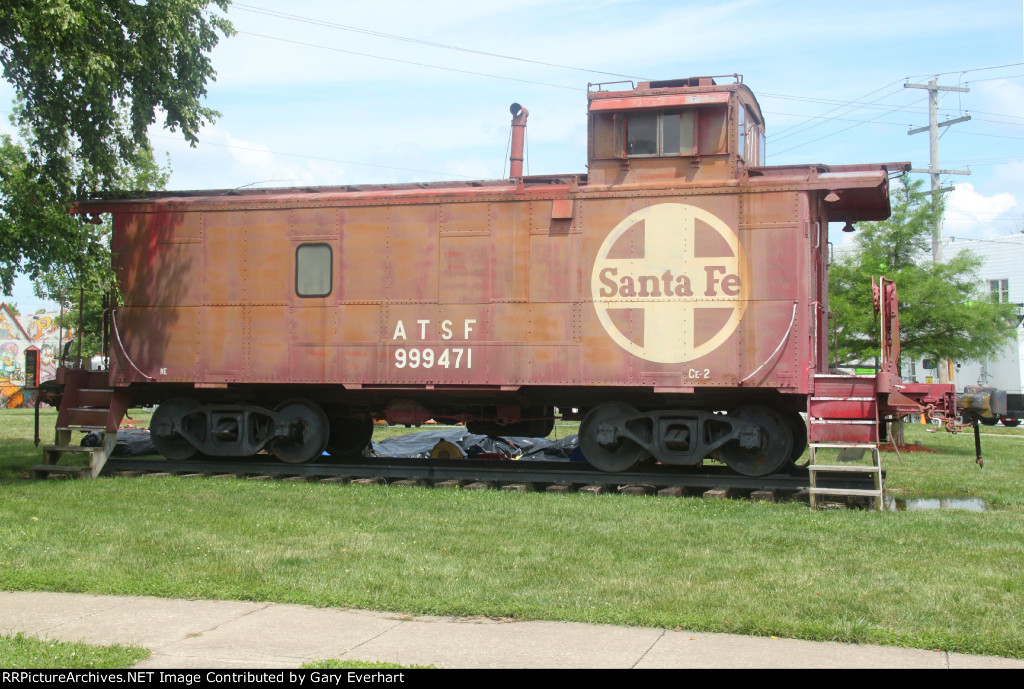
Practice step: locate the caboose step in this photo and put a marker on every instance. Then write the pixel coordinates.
(41, 471)
(89, 403)
(845, 468)
(89, 413)
(863, 408)
(861, 492)
(95, 397)
(874, 469)
(52, 454)
(71, 449)
(861, 432)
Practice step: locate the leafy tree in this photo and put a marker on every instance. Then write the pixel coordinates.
(943, 311)
(86, 288)
(90, 77)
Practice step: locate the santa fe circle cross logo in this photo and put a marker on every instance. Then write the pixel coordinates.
(684, 296)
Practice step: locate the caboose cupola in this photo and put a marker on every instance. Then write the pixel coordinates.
(681, 130)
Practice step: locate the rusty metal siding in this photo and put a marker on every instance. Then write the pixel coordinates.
(777, 246)
(481, 293)
(361, 237)
(412, 255)
(266, 350)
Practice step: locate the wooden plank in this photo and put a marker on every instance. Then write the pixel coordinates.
(845, 468)
(845, 491)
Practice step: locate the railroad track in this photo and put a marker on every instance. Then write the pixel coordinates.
(510, 475)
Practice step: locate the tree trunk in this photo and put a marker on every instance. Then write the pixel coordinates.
(897, 434)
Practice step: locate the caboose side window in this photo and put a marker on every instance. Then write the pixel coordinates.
(671, 132)
(668, 133)
(751, 137)
(642, 134)
(314, 275)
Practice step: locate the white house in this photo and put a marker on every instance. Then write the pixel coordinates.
(1002, 274)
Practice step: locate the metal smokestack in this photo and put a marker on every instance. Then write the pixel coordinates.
(519, 115)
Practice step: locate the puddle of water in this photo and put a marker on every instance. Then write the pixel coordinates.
(953, 503)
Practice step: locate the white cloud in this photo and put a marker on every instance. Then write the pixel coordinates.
(1010, 174)
(1001, 98)
(971, 214)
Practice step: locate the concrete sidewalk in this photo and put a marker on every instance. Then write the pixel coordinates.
(223, 634)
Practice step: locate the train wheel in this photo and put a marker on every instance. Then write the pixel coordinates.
(989, 422)
(799, 429)
(775, 450)
(1011, 423)
(600, 441)
(310, 431)
(169, 414)
(349, 437)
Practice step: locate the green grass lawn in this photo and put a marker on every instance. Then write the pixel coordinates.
(948, 580)
(28, 653)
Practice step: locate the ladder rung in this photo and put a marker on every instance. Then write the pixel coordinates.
(69, 448)
(847, 468)
(60, 468)
(845, 491)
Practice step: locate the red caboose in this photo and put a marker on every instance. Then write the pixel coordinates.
(676, 295)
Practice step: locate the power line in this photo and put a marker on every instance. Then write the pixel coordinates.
(823, 120)
(986, 161)
(856, 104)
(896, 124)
(311, 157)
(395, 37)
(1012, 76)
(985, 217)
(833, 119)
(831, 134)
(1008, 239)
(992, 136)
(965, 71)
(885, 108)
(998, 114)
(1004, 123)
(840, 107)
(832, 101)
(308, 157)
(409, 62)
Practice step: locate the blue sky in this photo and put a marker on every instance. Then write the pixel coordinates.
(322, 92)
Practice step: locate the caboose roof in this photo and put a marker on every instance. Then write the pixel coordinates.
(862, 189)
(692, 91)
(343, 193)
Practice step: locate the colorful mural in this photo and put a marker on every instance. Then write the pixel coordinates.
(29, 349)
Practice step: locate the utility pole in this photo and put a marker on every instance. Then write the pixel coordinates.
(933, 88)
(933, 160)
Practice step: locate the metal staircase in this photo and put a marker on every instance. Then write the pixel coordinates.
(842, 416)
(88, 403)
